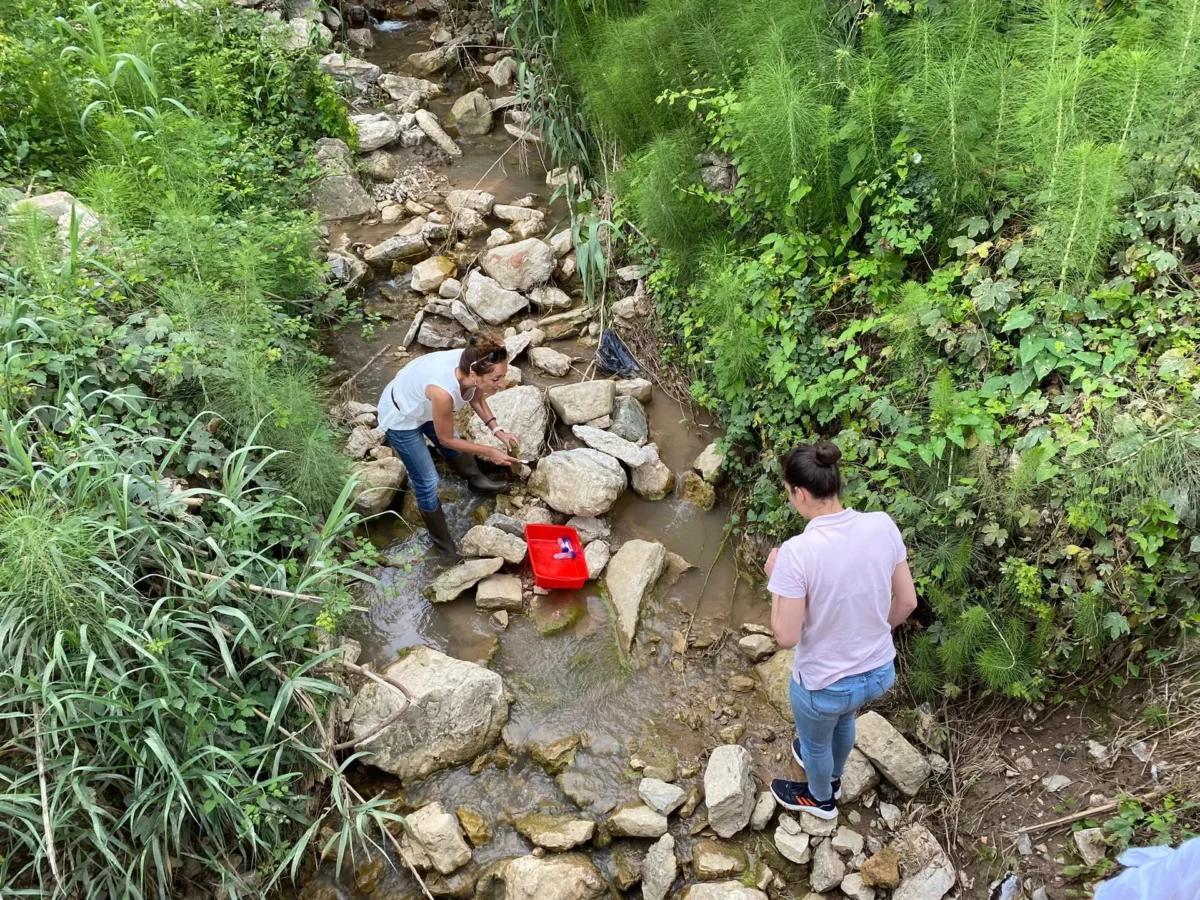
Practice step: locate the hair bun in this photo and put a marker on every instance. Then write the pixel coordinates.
(474, 339)
(827, 454)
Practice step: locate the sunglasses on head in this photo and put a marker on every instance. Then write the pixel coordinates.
(500, 354)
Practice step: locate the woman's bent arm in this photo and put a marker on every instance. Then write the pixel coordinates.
(904, 595)
(787, 619)
(443, 425)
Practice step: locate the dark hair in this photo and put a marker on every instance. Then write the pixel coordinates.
(814, 467)
(482, 355)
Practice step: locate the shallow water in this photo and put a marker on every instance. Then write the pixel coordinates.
(561, 661)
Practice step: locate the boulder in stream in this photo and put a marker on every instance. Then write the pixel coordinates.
(484, 540)
(659, 869)
(400, 247)
(564, 876)
(721, 890)
(471, 114)
(729, 789)
(481, 202)
(607, 442)
(456, 713)
(520, 266)
(429, 124)
(709, 463)
(343, 67)
(550, 361)
(491, 302)
(337, 194)
(636, 820)
(652, 479)
(500, 592)
(375, 131)
(378, 481)
(465, 575)
(661, 796)
(589, 528)
(433, 60)
(550, 299)
(433, 840)
(629, 421)
(401, 87)
(581, 482)
(555, 832)
(521, 410)
(441, 335)
(631, 574)
(712, 860)
(694, 489)
(579, 403)
(638, 388)
(429, 274)
(596, 554)
(347, 269)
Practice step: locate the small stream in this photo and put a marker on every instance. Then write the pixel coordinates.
(560, 661)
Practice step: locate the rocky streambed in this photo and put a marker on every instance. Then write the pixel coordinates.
(572, 744)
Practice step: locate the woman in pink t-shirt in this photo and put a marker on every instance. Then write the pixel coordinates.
(838, 589)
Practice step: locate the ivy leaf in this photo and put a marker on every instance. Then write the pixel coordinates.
(1020, 317)
(1116, 624)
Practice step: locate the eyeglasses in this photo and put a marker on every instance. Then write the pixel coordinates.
(500, 354)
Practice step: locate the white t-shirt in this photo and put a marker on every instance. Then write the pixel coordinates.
(842, 564)
(403, 405)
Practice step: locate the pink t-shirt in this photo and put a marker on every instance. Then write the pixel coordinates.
(842, 564)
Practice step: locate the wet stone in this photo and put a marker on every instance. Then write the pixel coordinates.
(660, 796)
(556, 833)
(636, 820)
(500, 592)
(474, 825)
(764, 810)
(713, 861)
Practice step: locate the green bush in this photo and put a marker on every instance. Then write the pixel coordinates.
(961, 244)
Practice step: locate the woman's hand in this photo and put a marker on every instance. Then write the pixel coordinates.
(499, 457)
(769, 567)
(507, 438)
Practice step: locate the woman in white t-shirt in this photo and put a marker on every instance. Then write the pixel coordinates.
(417, 409)
(838, 589)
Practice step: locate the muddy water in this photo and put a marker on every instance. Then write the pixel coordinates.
(561, 661)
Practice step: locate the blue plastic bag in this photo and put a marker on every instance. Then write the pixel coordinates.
(1156, 873)
(614, 357)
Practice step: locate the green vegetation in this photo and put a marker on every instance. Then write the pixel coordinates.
(163, 722)
(962, 245)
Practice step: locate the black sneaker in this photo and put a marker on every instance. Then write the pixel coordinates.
(794, 795)
(837, 782)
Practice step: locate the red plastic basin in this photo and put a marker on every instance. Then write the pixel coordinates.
(548, 572)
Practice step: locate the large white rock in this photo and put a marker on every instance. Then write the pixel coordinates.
(709, 463)
(661, 796)
(565, 876)
(635, 820)
(375, 131)
(434, 840)
(728, 788)
(378, 481)
(456, 712)
(398, 247)
(550, 298)
(582, 402)
(401, 87)
(659, 869)
(556, 833)
(429, 124)
(652, 480)
(550, 361)
(792, 842)
(928, 873)
(638, 388)
(467, 574)
(471, 114)
(487, 541)
(828, 870)
(520, 266)
(521, 410)
(899, 761)
(606, 442)
(429, 274)
(480, 201)
(596, 554)
(500, 592)
(631, 574)
(360, 73)
(721, 890)
(858, 777)
(580, 482)
(491, 302)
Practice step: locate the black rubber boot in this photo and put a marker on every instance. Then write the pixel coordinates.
(439, 531)
(467, 466)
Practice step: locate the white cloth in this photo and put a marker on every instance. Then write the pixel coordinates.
(1156, 873)
(843, 564)
(403, 405)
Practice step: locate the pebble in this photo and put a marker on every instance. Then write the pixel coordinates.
(1024, 845)
(500, 618)
(1055, 783)
(890, 815)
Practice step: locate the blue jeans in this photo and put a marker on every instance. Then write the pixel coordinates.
(825, 722)
(410, 447)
